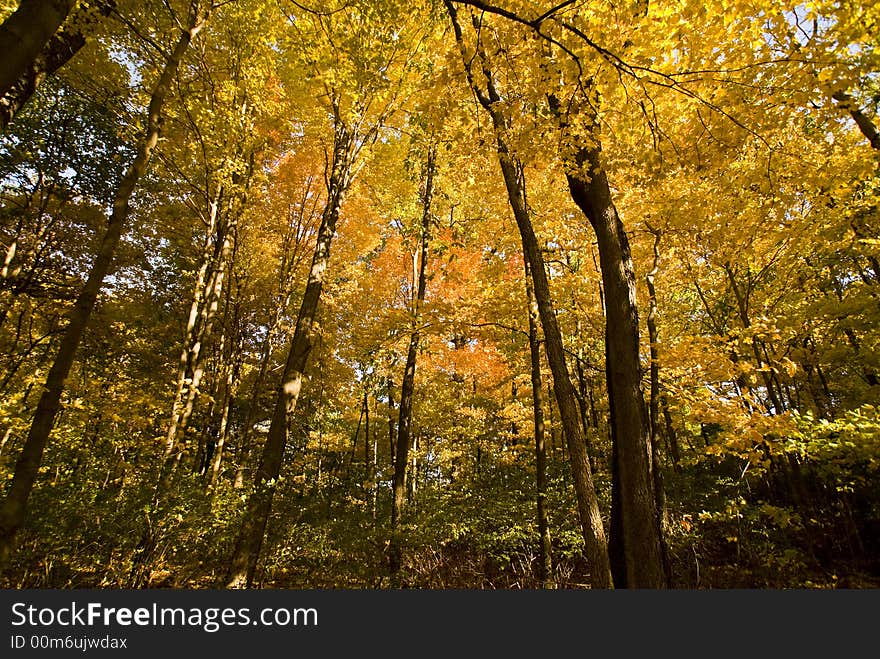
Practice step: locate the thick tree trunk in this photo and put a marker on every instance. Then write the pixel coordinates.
(59, 50)
(25, 33)
(635, 509)
(12, 513)
(404, 422)
(866, 126)
(545, 547)
(243, 563)
(595, 544)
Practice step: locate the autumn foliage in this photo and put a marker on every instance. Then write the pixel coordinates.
(739, 146)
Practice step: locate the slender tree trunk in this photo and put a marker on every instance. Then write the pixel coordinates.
(581, 394)
(391, 434)
(554, 444)
(596, 547)
(545, 547)
(374, 470)
(654, 407)
(12, 513)
(231, 374)
(369, 473)
(192, 336)
(25, 33)
(6, 434)
(215, 462)
(413, 476)
(404, 421)
(243, 563)
(243, 452)
(206, 301)
(818, 390)
(566, 402)
(636, 510)
(671, 435)
(653, 338)
(354, 442)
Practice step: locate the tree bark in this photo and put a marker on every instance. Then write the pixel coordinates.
(634, 512)
(292, 251)
(230, 370)
(596, 548)
(12, 513)
(25, 33)
(207, 292)
(243, 563)
(581, 394)
(654, 406)
(392, 451)
(866, 126)
(653, 338)
(545, 547)
(404, 422)
(59, 50)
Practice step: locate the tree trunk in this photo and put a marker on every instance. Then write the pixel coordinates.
(391, 434)
(59, 50)
(25, 33)
(866, 126)
(374, 467)
(243, 563)
(369, 460)
(596, 547)
(545, 547)
(671, 436)
(12, 513)
(581, 394)
(636, 510)
(554, 444)
(654, 407)
(231, 373)
(653, 338)
(404, 421)
(203, 308)
(566, 402)
(292, 250)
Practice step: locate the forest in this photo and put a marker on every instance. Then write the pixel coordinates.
(440, 294)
